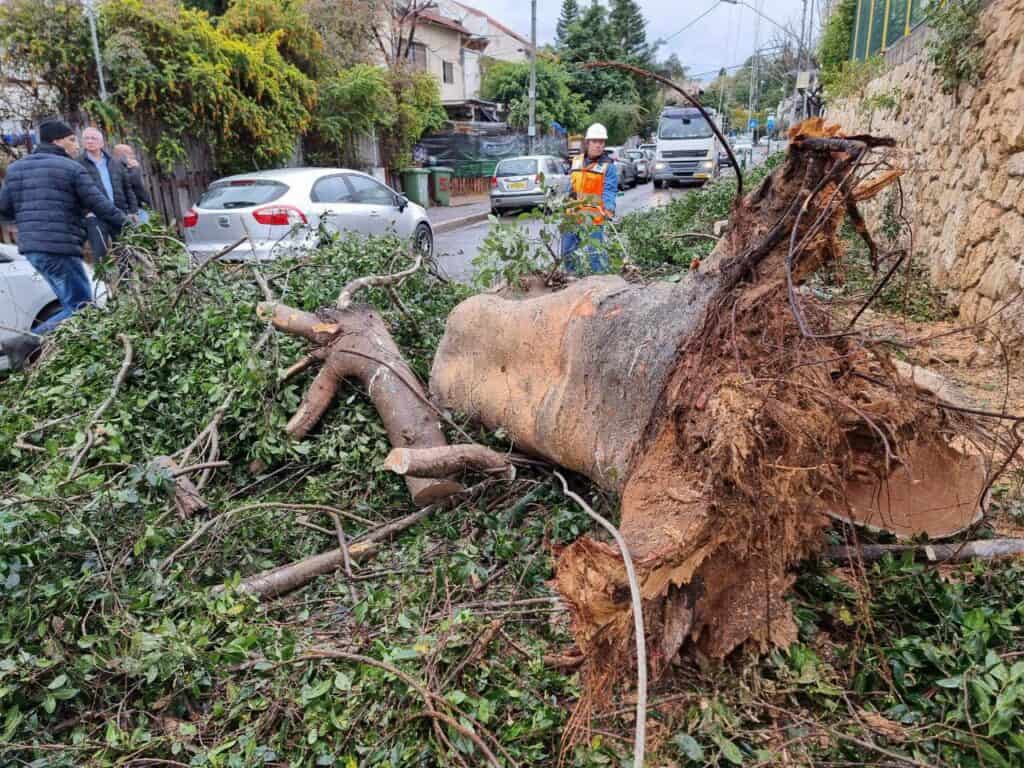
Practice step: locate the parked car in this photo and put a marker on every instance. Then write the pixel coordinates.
(644, 170)
(627, 169)
(25, 301)
(284, 209)
(523, 182)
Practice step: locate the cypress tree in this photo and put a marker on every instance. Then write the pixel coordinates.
(570, 15)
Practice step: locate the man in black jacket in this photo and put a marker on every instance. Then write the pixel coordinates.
(109, 175)
(48, 194)
(133, 170)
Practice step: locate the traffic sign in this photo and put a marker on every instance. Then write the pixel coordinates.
(752, 124)
(770, 123)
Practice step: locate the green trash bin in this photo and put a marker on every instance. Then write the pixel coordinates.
(441, 185)
(414, 185)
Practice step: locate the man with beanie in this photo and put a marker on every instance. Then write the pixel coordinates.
(48, 195)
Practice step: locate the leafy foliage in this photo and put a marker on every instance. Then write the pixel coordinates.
(622, 119)
(419, 110)
(569, 15)
(297, 40)
(837, 37)
(51, 37)
(176, 75)
(956, 50)
(352, 103)
(508, 83)
(852, 77)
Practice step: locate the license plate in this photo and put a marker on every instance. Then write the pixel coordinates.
(517, 185)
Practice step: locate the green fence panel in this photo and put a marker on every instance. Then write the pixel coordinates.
(877, 26)
(863, 29)
(897, 21)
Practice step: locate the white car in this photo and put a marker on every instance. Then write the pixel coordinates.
(283, 210)
(25, 301)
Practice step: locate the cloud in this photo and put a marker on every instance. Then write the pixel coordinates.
(722, 38)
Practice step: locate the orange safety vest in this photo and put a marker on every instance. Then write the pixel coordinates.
(588, 187)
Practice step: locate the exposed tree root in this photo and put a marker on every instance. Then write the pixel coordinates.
(727, 413)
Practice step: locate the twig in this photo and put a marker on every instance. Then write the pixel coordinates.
(343, 546)
(985, 549)
(191, 276)
(348, 293)
(21, 442)
(200, 467)
(638, 625)
(90, 436)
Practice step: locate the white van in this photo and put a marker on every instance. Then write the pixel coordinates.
(687, 149)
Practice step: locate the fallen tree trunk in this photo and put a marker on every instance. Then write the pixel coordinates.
(725, 411)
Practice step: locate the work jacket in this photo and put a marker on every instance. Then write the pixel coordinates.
(595, 185)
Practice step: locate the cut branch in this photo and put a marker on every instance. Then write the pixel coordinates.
(984, 549)
(90, 431)
(349, 292)
(187, 500)
(287, 578)
(355, 344)
(445, 461)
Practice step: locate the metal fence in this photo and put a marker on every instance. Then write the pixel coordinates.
(881, 23)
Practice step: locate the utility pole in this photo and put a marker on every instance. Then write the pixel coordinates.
(753, 70)
(799, 64)
(533, 76)
(90, 12)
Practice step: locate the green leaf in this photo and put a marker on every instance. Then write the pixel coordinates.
(57, 682)
(729, 750)
(689, 747)
(309, 694)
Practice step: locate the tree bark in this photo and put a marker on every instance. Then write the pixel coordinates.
(187, 499)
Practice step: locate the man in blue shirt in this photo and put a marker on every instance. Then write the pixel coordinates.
(109, 175)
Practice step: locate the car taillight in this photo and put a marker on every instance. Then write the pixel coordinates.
(190, 219)
(494, 181)
(279, 216)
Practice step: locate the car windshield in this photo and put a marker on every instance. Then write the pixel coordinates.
(241, 193)
(684, 128)
(523, 166)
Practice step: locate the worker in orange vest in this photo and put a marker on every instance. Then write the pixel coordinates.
(595, 184)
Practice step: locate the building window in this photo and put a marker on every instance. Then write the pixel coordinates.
(418, 56)
(449, 72)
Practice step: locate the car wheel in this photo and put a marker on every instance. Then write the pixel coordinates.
(423, 240)
(658, 184)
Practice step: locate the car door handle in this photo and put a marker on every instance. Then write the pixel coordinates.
(375, 214)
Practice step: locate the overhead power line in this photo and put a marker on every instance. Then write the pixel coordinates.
(691, 23)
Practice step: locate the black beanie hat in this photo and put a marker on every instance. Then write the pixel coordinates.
(53, 130)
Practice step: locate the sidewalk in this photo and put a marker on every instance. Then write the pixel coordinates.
(462, 212)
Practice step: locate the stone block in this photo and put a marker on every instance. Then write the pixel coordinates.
(1000, 280)
(1015, 164)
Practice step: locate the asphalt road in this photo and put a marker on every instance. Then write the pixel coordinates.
(456, 249)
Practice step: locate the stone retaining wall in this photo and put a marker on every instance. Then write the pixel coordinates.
(965, 155)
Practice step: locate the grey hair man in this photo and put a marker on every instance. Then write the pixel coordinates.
(109, 175)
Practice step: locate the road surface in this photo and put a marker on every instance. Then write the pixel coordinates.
(457, 249)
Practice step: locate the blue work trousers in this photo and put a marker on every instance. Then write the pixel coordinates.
(595, 251)
(69, 281)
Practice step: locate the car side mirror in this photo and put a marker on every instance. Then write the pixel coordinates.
(401, 202)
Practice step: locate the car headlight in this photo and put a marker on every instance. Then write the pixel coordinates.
(708, 164)
(659, 166)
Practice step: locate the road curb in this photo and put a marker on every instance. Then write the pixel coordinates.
(463, 221)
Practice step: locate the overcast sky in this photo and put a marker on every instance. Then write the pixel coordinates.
(722, 38)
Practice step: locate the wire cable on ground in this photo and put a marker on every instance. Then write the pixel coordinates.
(638, 625)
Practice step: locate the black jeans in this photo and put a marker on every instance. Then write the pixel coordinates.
(100, 237)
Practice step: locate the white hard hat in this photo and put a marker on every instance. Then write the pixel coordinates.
(597, 132)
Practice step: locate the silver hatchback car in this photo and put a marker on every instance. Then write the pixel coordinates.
(284, 210)
(523, 182)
